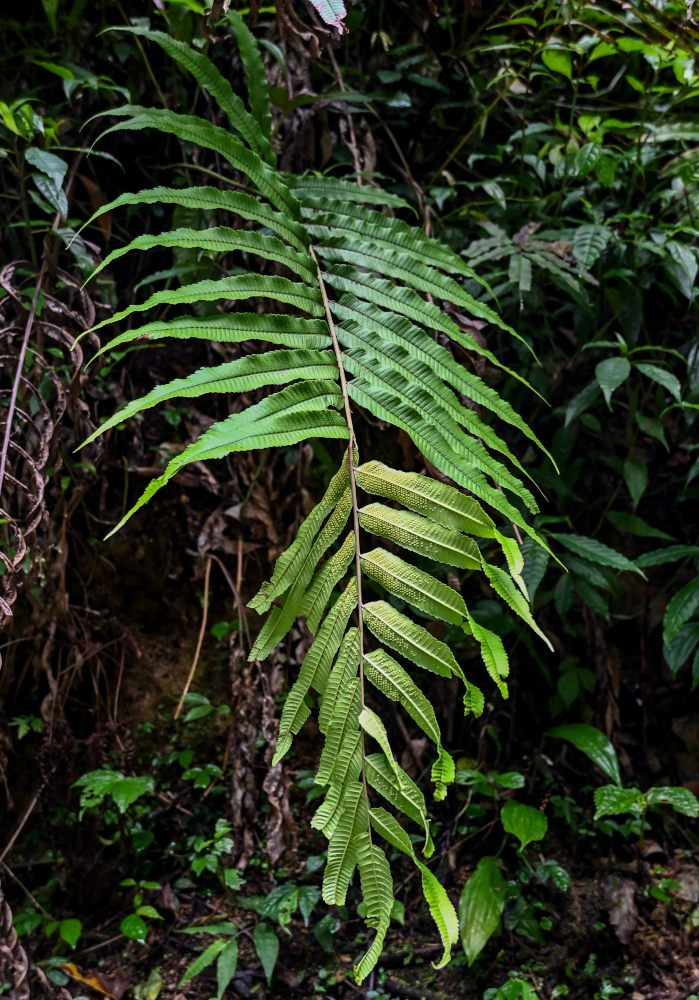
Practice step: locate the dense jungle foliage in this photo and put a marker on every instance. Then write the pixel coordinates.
(397, 304)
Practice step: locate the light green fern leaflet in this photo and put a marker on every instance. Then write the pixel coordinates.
(324, 306)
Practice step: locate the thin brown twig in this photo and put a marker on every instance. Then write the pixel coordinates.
(200, 640)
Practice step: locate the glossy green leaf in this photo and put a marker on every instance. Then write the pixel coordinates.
(593, 744)
(524, 822)
(480, 907)
(267, 948)
(613, 801)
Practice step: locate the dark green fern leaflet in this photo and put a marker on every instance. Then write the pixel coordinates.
(337, 301)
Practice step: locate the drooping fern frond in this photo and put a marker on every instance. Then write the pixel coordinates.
(354, 308)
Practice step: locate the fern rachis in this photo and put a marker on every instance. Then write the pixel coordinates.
(361, 284)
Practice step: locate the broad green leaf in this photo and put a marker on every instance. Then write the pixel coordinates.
(593, 744)
(672, 553)
(680, 609)
(480, 907)
(524, 822)
(681, 799)
(267, 948)
(127, 790)
(558, 61)
(134, 928)
(611, 374)
(635, 526)
(613, 801)
(597, 552)
(48, 163)
(663, 377)
(636, 478)
(70, 931)
(226, 967)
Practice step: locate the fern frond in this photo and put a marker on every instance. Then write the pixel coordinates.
(342, 730)
(240, 286)
(221, 240)
(315, 189)
(438, 501)
(278, 624)
(289, 563)
(387, 675)
(208, 77)
(230, 328)
(323, 584)
(440, 906)
(419, 534)
(210, 199)
(315, 668)
(411, 640)
(294, 414)
(412, 390)
(404, 795)
(342, 849)
(346, 219)
(386, 406)
(344, 670)
(389, 326)
(389, 278)
(367, 348)
(504, 588)
(408, 269)
(377, 892)
(413, 585)
(258, 89)
(493, 653)
(347, 769)
(241, 375)
(406, 302)
(189, 128)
